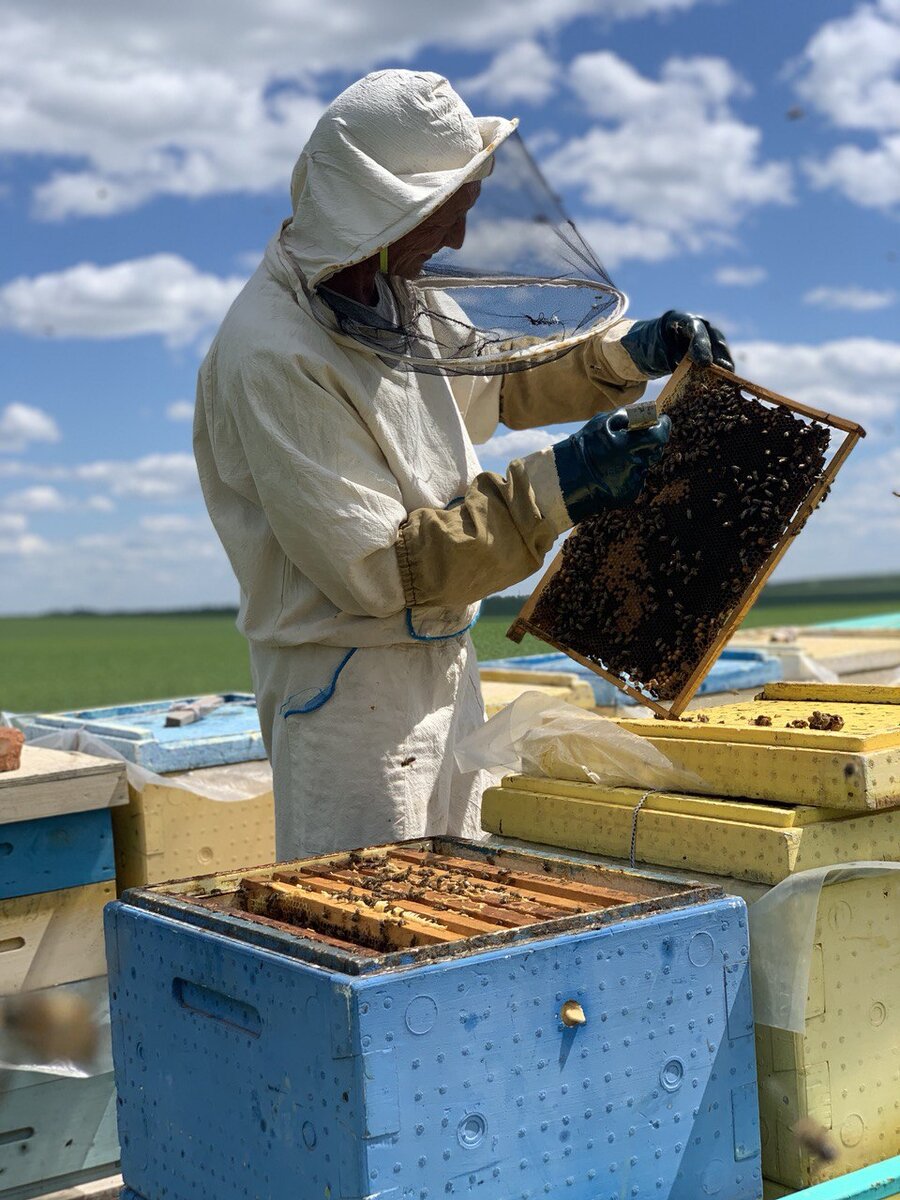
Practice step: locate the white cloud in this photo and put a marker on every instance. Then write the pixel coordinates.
(40, 498)
(852, 299)
(139, 102)
(850, 68)
(668, 155)
(161, 294)
(850, 73)
(21, 424)
(180, 410)
(24, 545)
(867, 498)
(172, 523)
(132, 568)
(504, 447)
(100, 504)
(153, 477)
(870, 178)
(13, 522)
(615, 242)
(249, 260)
(740, 276)
(523, 71)
(855, 378)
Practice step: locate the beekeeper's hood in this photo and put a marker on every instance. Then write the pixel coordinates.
(384, 156)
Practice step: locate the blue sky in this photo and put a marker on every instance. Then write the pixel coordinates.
(733, 158)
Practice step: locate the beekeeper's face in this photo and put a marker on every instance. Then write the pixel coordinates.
(445, 227)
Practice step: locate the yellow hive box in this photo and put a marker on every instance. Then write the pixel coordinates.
(167, 832)
(762, 843)
(856, 767)
(52, 937)
(501, 685)
(843, 1071)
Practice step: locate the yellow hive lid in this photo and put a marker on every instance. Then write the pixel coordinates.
(870, 715)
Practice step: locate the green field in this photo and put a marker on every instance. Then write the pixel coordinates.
(59, 662)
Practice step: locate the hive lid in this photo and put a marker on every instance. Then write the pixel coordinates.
(227, 734)
(410, 903)
(736, 669)
(869, 716)
(52, 782)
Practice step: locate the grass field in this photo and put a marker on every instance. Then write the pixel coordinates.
(59, 662)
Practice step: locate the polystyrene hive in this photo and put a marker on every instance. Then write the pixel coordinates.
(841, 1074)
(56, 866)
(844, 1072)
(227, 734)
(255, 1058)
(761, 842)
(856, 767)
(170, 832)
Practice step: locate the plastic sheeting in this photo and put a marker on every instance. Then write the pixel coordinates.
(539, 735)
(782, 934)
(19, 1055)
(238, 781)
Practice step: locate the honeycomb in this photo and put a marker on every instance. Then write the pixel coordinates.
(644, 591)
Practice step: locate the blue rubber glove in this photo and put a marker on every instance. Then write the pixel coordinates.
(657, 347)
(605, 463)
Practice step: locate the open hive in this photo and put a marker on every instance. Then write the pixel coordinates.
(495, 1028)
(362, 910)
(648, 595)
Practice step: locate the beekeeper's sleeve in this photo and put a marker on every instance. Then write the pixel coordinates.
(596, 376)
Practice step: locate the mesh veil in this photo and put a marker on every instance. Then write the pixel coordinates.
(524, 287)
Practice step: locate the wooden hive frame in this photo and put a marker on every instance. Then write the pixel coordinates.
(423, 899)
(671, 392)
(570, 897)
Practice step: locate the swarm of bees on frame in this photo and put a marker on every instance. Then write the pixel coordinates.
(644, 591)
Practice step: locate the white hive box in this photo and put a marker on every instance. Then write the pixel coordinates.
(168, 832)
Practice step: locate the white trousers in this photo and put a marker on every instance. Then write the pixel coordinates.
(375, 763)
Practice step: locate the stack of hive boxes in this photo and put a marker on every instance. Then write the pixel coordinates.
(56, 874)
(779, 797)
(169, 831)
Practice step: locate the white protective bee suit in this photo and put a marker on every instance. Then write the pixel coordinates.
(349, 497)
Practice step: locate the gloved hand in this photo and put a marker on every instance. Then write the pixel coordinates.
(657, 347)
(605, 463)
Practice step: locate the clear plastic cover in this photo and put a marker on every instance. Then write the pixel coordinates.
(540, 735)
(782, 933)
(523, 288)
(234, 782)
(61, 1030)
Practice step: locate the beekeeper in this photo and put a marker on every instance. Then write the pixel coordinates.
(336, 414)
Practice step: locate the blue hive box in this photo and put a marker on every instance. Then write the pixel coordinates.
(257, 1060)
(56, 852)
(228, 734)
(733, 670)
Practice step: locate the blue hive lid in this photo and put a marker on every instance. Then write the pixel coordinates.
(228, 734)
(733, 670)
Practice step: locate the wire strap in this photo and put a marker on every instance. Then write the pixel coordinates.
(634, 823)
